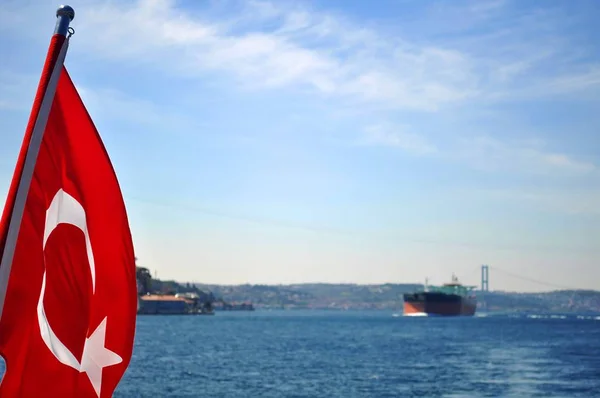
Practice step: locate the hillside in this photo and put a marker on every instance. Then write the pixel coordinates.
(321, 296)
(388, 296)
(556, 301)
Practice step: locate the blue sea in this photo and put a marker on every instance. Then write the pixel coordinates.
(364, 354)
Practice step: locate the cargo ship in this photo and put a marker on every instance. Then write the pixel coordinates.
(450, 299)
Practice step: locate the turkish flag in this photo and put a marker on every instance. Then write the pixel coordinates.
(68, 320)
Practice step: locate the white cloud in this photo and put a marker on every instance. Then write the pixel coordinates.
(485, 9)
(16, 90)
(269, 44)
(307, 49)
(567, 201)
(580, 84)
(527, 157)
(358, 65)
(397, 137)
(107, 103)
(574, 82)
(481, 152)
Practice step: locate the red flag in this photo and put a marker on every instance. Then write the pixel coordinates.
(68, 319)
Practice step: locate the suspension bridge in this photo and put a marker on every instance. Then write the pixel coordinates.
(484, 287)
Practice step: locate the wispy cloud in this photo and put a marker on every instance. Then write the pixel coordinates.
(588, 78)
(397, 137)
(303, 49)
(274, 46)
(480, 152)
(111, 104)
(529, 157)
(583, 83)
(566, 201)
(335, 56)
(16, 90)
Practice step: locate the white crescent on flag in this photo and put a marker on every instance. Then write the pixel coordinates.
(64, 209)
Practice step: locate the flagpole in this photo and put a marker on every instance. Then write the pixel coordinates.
(19, 188)
(64, 16)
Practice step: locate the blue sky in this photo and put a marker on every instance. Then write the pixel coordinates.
(337, 141)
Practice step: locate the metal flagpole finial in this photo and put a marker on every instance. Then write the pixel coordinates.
(65, 15)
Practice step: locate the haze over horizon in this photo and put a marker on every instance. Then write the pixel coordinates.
(336, 141)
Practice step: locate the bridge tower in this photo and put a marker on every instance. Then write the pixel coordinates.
(485, 286)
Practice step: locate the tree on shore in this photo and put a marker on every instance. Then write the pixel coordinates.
(144, 278)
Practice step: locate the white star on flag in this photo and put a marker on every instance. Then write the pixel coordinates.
(96, 356)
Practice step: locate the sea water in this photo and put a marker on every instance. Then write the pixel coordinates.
(364, 354)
